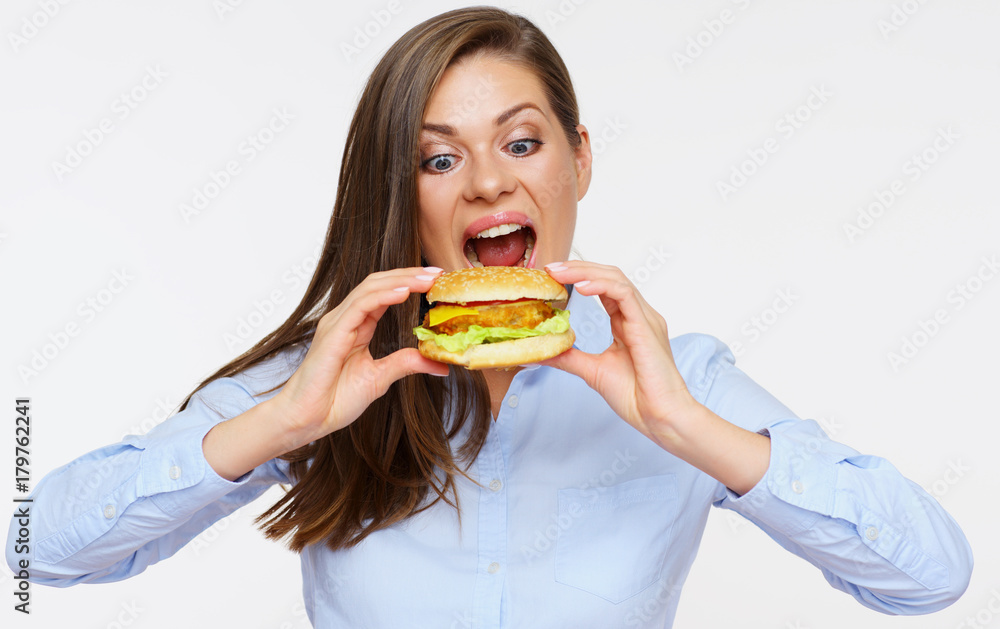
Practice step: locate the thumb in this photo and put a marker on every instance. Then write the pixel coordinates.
(576, 362)
(405, 362)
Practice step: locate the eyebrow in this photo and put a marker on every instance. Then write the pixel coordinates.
(446, 129)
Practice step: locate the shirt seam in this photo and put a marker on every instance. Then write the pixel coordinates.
(83, 515)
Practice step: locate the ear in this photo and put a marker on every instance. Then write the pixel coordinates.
(584, 160)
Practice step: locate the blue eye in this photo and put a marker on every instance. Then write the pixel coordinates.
(439, 163)
(520, 148)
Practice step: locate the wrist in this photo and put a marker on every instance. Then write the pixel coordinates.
(732, 455)
(238, 445)
(286, 418)
(669, 426)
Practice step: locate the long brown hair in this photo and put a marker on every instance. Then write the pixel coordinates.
(379, 470)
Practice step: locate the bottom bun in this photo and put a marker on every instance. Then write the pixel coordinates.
(502, 353)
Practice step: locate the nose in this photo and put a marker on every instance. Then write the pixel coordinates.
(488, 178)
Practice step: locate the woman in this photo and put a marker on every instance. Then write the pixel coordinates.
(568, 494)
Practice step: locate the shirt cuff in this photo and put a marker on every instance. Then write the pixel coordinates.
(800, 484)
(176, 476)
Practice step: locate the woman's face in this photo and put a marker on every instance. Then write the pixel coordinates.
(498, 181)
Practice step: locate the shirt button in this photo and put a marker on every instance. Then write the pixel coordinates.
(871, 533)
(493, 568)
(174, 472)
(512, 401)
(109, 511)
(495, 485)
(798, 487)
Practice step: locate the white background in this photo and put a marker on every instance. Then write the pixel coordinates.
(671, 132)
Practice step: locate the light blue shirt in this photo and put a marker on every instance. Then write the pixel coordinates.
(578, 521)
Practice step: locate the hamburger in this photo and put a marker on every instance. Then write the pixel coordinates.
(494, 316)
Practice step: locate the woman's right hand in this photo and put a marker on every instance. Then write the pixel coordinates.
(338, 377)
(335, 383)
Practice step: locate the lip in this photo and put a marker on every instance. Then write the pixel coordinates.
(500, 218)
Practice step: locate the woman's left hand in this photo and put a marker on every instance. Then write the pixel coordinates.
(636, 375)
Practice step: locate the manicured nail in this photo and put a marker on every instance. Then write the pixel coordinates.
(583, 283)
(433, 269)
(439, 375)
(426, 278)
(555, 266)
(400, 289)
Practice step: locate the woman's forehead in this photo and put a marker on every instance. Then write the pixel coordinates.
(478, 90)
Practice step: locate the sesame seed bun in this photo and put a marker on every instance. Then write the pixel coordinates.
(495, 283)
(499, 283)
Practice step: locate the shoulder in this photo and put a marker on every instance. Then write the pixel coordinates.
(700, 358)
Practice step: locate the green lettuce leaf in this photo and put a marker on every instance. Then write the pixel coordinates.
(477, 334)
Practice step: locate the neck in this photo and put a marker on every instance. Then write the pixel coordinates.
(498, 381)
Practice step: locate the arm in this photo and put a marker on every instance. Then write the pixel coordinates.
(113, 512)
(116, 511)
(873, 533)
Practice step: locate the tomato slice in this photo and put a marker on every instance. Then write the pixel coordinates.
(474, 304)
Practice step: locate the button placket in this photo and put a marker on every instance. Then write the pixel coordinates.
(492, 533)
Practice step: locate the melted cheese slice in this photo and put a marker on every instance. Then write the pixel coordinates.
(441, 314)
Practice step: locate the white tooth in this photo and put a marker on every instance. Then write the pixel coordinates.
(530, 239)
(478, 264)
(472, 256)
(499, 230)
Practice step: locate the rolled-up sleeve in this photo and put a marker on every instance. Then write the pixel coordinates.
(872, 532)
(113, 512)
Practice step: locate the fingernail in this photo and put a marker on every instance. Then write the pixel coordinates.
(433, 269)
(583, 283)
(426, 278)
(400, 289)
(439, 375)
(555, 266)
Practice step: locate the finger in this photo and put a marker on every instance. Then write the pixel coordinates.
(621, 299)
(375, 294)
(578, 363)
(589, 278)
(616, 295)
(405, 362)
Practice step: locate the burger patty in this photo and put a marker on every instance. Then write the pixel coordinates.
(519, 314)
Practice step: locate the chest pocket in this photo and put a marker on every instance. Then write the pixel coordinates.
(618, 536)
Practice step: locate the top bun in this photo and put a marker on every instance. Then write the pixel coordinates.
(495, 283)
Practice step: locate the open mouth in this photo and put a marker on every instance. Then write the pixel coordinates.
(509, 244)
